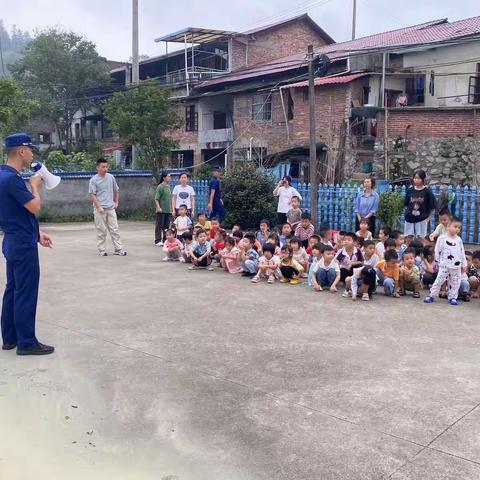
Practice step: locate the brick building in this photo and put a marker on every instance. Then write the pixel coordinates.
(412, 87)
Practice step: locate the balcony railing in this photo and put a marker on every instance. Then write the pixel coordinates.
(195, 75)
(215, 136)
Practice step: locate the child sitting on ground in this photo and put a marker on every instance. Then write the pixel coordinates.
(326, 272)
(295, 212)
(389, 270)
(474, 274)
(299, 253)
(187, 239)
(339, 241)
(370, 258)
(182, 222)
(400, 245)
(249, 256)
(313, 240)
(215, 227)
(290, 269)
(263, 233)
(230, 257)
(172, 246)
(349, 256)
(203, 223)
(325, 235)
(409, 274)
(304, 229)
(465, 285)
(312, 261)
(450, 255)
(429, 267)
(383, 235)
(200, 252)
(268, 265)
(218, 244)
(363, 283)
(273, 239)
(238, 237)
(364, 231)
(286, 234)
(443, 218)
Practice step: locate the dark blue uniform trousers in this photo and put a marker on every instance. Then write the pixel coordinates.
(19, 306)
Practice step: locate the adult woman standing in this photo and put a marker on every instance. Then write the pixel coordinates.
(284, 191)
(366, 204)
(184, 194)
(163, 208)
(419, 206)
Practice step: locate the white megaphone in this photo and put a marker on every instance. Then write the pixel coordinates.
(49, 179)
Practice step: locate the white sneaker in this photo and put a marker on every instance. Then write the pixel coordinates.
(166, 259)
(159, 244)
(103, 253)
(182, 260)
(121, 253)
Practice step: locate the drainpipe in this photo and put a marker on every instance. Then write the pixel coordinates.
(250, 149)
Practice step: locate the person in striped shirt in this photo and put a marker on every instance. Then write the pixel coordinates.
(305, 229)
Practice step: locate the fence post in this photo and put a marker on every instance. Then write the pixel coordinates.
(319, 215)
(320, 203)
(458, 196)
(473, 210)
(402, 215)
(433, 220)
(330, 206)
(464, 213)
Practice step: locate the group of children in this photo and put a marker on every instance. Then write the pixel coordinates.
(292, 253)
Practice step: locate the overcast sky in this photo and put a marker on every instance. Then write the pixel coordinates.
(108, 22)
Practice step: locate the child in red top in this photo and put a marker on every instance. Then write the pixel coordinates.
(172, 246)
(215, 227)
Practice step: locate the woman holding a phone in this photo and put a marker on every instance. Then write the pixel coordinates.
(284, 191)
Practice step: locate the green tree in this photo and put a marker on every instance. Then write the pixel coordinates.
(144, 115)
(15, 107)
(62, 71)
(247, 194)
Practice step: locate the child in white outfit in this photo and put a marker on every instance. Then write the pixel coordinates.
(450, 255)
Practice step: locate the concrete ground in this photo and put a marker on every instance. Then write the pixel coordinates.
(168, 374)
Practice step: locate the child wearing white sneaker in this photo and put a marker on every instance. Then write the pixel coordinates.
(268, 265)
(172, 246)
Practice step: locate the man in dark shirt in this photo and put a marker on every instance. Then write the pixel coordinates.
(215, 202)
(18, 207)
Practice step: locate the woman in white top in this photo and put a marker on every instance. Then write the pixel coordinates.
(284, 191)
(183, 194)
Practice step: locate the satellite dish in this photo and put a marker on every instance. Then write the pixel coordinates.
(322, 64)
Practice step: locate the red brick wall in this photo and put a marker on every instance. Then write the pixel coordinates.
(428, 123)
(180, 135)
(276, 43)
(329, 115)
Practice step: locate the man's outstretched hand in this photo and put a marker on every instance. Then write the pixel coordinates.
(45, 240)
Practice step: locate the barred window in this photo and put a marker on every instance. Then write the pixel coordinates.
(262, 107)
(191, 119)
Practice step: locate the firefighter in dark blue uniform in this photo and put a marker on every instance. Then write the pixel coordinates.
(18, 207)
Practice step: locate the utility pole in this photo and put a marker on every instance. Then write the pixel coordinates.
(313, 141)
(135, 65)
(354, 19)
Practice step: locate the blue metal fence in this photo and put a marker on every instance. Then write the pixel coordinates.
(336, 202)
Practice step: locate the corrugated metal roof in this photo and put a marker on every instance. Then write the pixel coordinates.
(329, 80)
(436, 31)
(199, 35)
